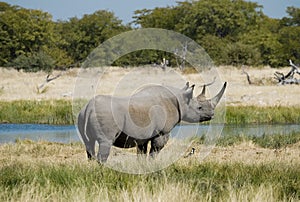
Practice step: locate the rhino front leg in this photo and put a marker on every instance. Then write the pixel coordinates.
(157, 143)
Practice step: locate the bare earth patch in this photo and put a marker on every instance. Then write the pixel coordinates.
(16, 85)
(249, 153)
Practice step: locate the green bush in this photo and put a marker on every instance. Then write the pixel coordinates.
(241, 54)
(33, 62)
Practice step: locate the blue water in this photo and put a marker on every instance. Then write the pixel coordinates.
(66, 134)
(52, 133)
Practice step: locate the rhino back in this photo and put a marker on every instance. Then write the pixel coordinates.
(139, 116)
(160, 105)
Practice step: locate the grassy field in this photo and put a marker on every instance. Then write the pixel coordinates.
(236, 170)
(60, 112)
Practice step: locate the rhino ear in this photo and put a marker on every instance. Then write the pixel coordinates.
(189, 92)
(186, 86)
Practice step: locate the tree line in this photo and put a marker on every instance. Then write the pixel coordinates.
(232, 32)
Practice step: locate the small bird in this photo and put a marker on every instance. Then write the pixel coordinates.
(191, 153)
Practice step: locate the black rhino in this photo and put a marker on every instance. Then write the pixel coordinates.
(147, 115)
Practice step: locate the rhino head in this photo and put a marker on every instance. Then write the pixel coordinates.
(199, 109)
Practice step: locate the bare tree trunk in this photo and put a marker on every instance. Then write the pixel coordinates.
(247, 75)
(181, 57)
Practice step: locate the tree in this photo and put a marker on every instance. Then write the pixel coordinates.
(289, 38)
(27, 32)
(215, 47)
(215, 24)
(166, 18)
(197, 18)
(265, 39)
(289, 34)
(83, 35)
(294, 19)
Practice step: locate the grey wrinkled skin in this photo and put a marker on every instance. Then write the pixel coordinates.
(148, 115)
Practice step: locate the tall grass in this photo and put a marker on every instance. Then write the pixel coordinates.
(55, 172)
(254, 114)
(43, 112)
(60, 112)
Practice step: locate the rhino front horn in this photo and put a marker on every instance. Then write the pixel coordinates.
(215, 100)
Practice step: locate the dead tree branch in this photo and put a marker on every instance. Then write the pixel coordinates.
(289, 77)
(295, 68)
(48, 80)
(208, 84)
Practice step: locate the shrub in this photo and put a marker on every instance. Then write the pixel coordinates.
(241, 54)
(33, 62)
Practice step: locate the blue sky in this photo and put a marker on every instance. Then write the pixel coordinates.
(123, 9)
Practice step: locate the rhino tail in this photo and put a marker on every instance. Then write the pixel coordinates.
(82, 122)
(84, 116)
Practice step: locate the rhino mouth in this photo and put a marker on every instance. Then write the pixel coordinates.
(206, 119)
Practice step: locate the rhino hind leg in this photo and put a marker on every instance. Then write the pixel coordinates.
(154, 150)
(89, 155)
(103, 152)
(142, 148)
(90, 150)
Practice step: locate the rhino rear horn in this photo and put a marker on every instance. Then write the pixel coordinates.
(201, 96)
(215, 100)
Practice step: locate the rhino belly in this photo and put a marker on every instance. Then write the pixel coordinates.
(125, 141)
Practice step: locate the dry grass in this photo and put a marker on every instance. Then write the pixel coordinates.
(35, 153)
(245, 152)
(249, 153)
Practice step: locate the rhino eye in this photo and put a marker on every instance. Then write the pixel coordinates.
(199, 108)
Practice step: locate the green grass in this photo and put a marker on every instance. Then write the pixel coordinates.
(254, 114)
(43, 112)
(196, 182)
(275, 141)
(60, 112)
